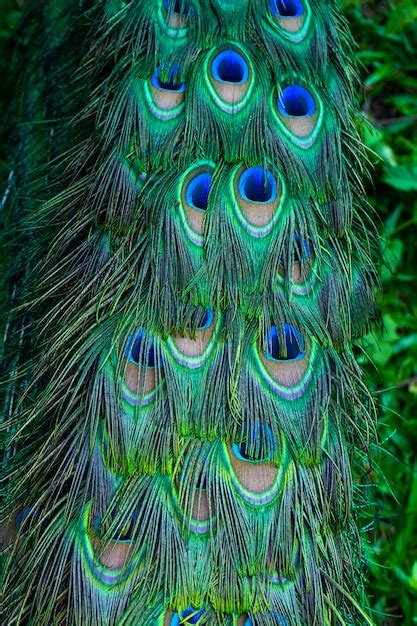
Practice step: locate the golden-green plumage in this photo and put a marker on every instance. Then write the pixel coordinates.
(188, 409)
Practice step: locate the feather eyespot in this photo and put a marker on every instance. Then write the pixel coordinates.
(300, 263)
(127, 532)
(287, 8)
(141, 352)
(257, 185)
(302, 249)
(202, 480)
(171, 84)
(175, 6)
(177, 13)
(114, 552)
(285, 358)
(255, 479)
(179, 7)
(230, 67)
(290, 346)
(258, 195)
(195, 198)
(109, 561)
(192, 615)
(188, 616)
(201, 320)
(297, 110)
(253, 473)
(230, 76)
(259, 448)
(192, 350)
(292, 16)
(196, 510)
(121, 532)
(296, 101)
(141, 373)
(167, 93)
(240, 450)
(198, 190)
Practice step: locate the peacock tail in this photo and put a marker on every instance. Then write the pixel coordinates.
(191, 261)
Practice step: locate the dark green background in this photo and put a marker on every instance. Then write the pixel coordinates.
(386, 33)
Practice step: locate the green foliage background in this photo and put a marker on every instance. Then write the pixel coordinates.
(386, 33)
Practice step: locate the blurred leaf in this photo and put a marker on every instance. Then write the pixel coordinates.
(402, 177)
(386, 32)
(392, 257)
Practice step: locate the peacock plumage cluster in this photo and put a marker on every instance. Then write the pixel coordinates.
(192, 257)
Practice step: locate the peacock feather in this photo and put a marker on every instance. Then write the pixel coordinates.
(192, 260)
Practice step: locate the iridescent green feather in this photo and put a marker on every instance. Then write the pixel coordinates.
(201, 259)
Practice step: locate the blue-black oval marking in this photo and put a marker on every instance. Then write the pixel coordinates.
(170, 85)
(204, 320)
(179, 7)
(296, 101)
(191, 614)
(230, 67)
(141, 351)
(198, 190)
(294, 344)
(261, 449)
(287, 8)
(257, 185)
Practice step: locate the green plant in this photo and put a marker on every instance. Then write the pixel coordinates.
(387, 36)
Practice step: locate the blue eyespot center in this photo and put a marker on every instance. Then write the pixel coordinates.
(302, 249)
(230, 67)
(126, 533)
(174, 6)
(260, 448)
(198, 191)
(178, 7)
(26, 514)
(190, 614)
(121, 532)
(296, 101)
(202, 480)
(141, 350)
(287, 8)
(243, 453)
(257, 185)
(202, 319)
(171, 84)
(294, 348)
